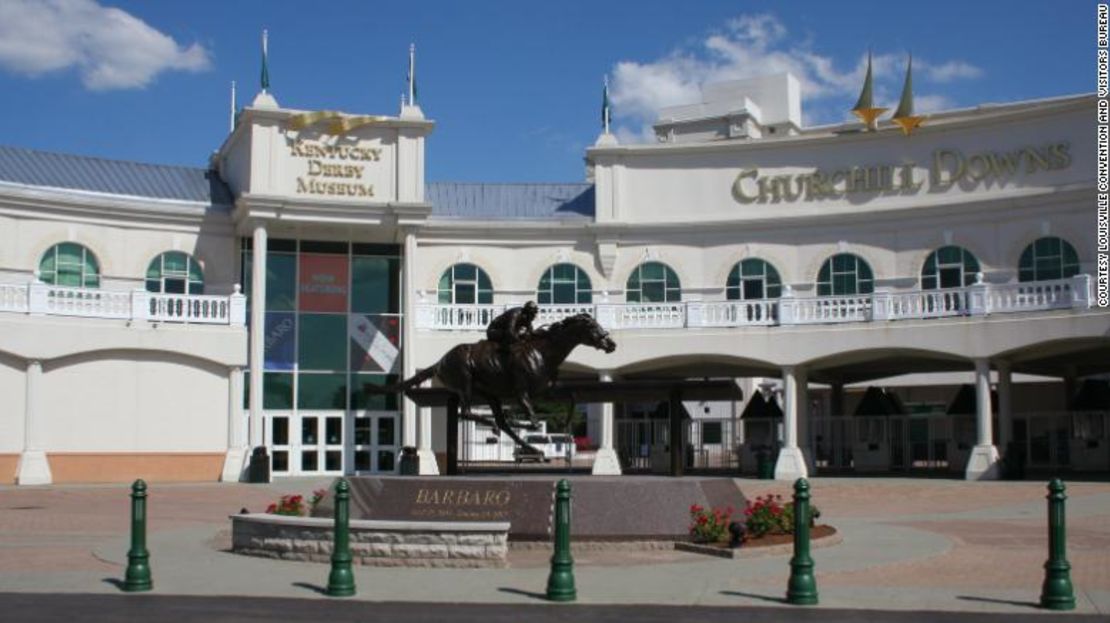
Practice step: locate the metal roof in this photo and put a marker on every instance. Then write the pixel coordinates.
(510, 201)
(118, 177)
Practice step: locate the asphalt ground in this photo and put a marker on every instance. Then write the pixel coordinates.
(31, 608)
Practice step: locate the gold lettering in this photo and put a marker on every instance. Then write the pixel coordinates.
(1034, 159)
(978, 161)
(954, 174)
(422, 496)
(502, 498)
(1060, 150)
(738, 186)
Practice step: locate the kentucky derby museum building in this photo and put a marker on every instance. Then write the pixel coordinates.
(886, 301)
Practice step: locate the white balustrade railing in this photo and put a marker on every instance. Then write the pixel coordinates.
(764, 312)
(455, 317)
(825, 309)
(642, 315)
(883, 305)
(13, 297)
(40, 298)
(1038, 295)
(927, 304)
(197, 309)
(550, 314)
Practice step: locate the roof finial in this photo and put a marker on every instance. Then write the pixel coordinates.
(412, 74)
(265, 64)
(231, 121)
(904, 116)
(865, 108)
(605, 113)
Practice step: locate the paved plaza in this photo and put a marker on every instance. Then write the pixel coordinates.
(908, 545)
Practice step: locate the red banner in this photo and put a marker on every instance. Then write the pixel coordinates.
(323, 283)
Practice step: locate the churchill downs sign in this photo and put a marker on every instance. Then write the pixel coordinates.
(947, 167)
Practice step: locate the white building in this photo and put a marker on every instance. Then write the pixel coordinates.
(741, 245)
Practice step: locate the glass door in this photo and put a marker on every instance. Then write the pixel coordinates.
(374, 443)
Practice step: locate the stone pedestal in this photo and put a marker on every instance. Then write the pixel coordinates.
(426, 462)
(983, 464)
(235, 465)
(791, 465)
(606, 463)
(34, 469)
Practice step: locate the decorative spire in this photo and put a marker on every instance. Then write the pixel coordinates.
(605, 112)
(231, 123)
(904, 116)
(265, 65)
(412, 74)
(865, 107)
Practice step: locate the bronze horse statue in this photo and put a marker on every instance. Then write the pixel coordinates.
(478, 369)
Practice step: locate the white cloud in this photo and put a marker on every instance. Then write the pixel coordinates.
(931, 103)
(756, 45)
(110, 48)
(952, 70)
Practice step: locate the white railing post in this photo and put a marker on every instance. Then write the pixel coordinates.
(237, 308)
(37, 294)
(978, 297)
(140, 304)
(881, 301)
(607, 315)
(788, 307)
(695, 314)
(425, 316)
(1081, 291)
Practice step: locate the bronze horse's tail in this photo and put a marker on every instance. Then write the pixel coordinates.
(404, 385)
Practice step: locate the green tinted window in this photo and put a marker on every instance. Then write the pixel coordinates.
(174, 272)
(844, 274)
(1048, 258)
(564, 284)
(69, 264)
(653, 282)
(374, 284)
(465, 284)
(322, 342)
(753, 279)
(363, 400)
(322, 391)
(949, 267)
(277, 390)
(281, 281)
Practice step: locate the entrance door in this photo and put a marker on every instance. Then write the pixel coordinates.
(375, 442)
(306, 443)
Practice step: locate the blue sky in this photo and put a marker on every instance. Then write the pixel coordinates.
(515, 87)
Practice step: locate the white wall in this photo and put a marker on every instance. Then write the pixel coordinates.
(13, 389)
(127, 401)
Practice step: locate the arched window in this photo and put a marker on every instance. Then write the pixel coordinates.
(949, 267)
(564, 284)
(753, 279)
(653, 282)
(174, 272)
(69, 264)
(465, 284)
(1048, 258)
(845, 274)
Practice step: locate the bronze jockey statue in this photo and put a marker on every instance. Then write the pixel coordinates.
(512, 326)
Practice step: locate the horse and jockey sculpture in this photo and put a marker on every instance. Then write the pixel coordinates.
(515, 362)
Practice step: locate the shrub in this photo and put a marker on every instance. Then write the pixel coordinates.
(709, 526)
(768, 515)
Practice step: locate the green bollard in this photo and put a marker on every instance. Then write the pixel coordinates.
(137, 577)
(341, 580)
(801, 588)
(1056, 592)
(560, 582)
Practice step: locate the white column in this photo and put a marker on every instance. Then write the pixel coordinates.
(258, 332)
(791, 464)
(606, 462)
(235, 461)
(408, 359)
(805, 427)
(34, 468)
(416, 429)
(1005, 405)
(983, 462)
